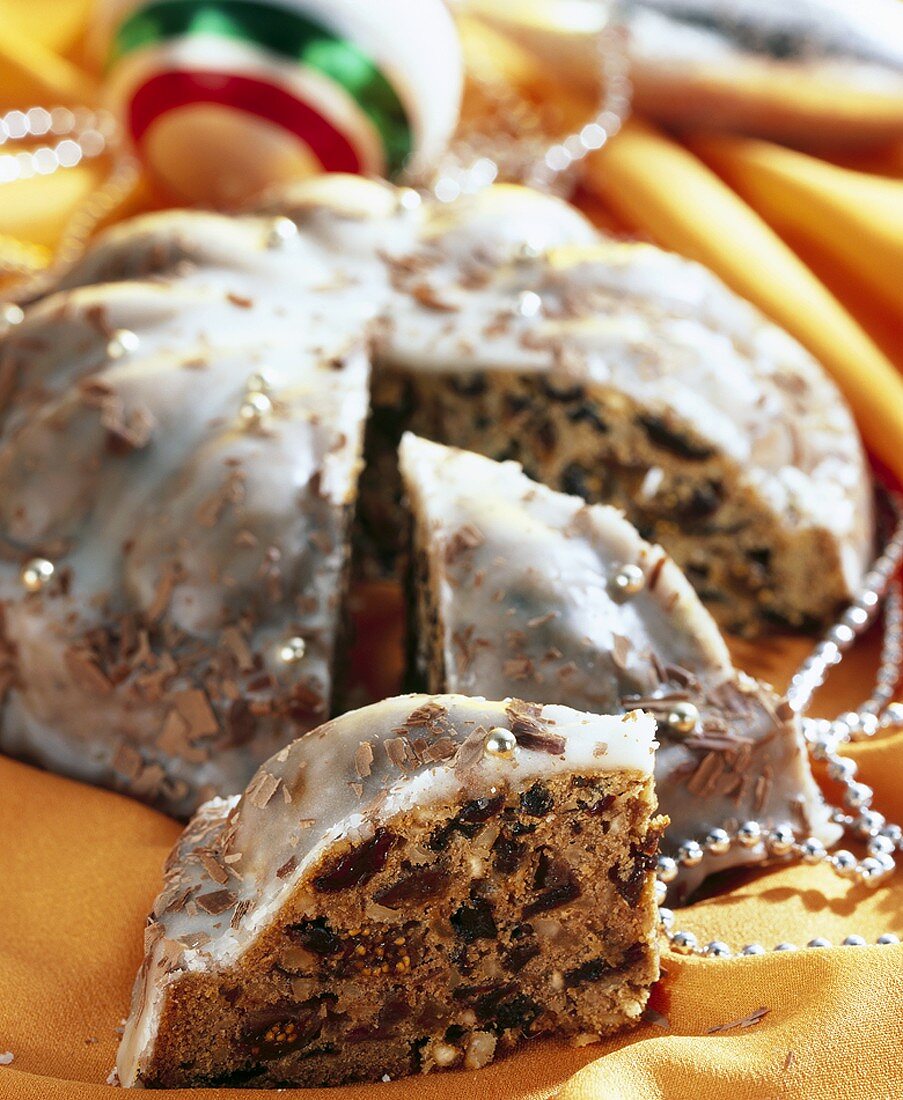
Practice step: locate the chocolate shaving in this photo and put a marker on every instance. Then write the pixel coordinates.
(467, 537)
(746, 1021)
(213, 867)
(397, 751)
(286, 869)
(86, 672)
(470, 752)
(363, 758)
(218, 901)
(262, 788)
(240, 910)
(656, 1018)
(427, 297)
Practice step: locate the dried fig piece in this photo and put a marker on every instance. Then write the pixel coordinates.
(316, 936)
(276, 1031)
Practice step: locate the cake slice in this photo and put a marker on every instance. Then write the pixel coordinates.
(420, 884)
(518, 589)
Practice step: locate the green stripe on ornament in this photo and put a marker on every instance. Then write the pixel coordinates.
(287, 34)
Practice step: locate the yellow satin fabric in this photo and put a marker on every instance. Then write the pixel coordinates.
(819, 248)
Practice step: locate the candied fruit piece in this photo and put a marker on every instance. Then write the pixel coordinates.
(475, 921)
(419, 884)
(537, 801)
(358, 865)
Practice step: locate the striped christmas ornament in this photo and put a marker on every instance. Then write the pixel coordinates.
(225, 97)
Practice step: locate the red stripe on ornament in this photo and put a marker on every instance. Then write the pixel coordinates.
(169, 91)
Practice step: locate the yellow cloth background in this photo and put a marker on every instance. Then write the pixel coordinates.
(819, 247)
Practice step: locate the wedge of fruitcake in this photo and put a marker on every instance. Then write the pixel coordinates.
(420, 884)
(518, 589)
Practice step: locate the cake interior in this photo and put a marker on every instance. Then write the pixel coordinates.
(439, 941)
(672, 485)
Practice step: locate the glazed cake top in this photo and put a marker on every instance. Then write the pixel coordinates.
(538, 568)
(514, 279)
(356, 771)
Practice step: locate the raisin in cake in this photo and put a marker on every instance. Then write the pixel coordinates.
(420, 884)
(180, 428)
(522, 590)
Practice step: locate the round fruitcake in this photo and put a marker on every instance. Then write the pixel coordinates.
(180, 444)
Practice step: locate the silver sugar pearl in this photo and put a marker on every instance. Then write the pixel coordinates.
(819, 941)
(682, 718)
(690, 854)
(122, 342)
(717, 949)
(849, 718)
(880, 846)
(280, 231)
(785, 947)
(500, 743)
(409, 199)
(255, 407)
(753, 949)
(529, 304)
(11, 314)
(824, 746)
(893, 833)
(749, 834)
(684, 943)
(718, 842)
(628, 581)
(880, 866)
(781, 840)
(853, 941)
(292, 650)
(528, 250)
(661, 892)
(888, 938)
(812, 850)
(666, 869)
(666, 918)
(36, 574)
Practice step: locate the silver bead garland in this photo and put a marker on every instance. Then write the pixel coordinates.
(824, 737)
(479, 159)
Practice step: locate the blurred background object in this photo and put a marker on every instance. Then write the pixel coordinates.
(812, 73)
(222, 98)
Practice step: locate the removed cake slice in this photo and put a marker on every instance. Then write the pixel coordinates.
(521, 590)
(417, 885)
